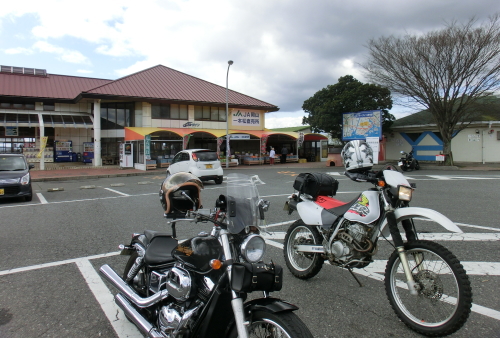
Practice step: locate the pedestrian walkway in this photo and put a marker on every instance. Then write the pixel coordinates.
(78, 171)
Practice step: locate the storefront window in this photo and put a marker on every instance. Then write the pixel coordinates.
(160, 111)
(207, 113)
(23, 105)
(117, 115)
(49, 106)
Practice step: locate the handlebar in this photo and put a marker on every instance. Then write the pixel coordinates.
(367, 176)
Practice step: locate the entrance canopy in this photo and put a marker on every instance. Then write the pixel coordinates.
(138, 133)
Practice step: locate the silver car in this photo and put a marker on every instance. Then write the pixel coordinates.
(203, 163)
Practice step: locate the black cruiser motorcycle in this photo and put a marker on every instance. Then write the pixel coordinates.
(408, 162)
(198, 287)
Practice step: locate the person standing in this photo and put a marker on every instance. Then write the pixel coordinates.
(284, 152)
(272, 153)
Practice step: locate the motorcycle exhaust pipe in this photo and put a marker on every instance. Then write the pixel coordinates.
(111, 276)
(136, 318)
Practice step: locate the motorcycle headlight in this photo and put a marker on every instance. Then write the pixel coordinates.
(404, 193)
(253, 248)
(25, 179)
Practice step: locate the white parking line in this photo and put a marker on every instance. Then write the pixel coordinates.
(492, 313)
(41, 198)
(115, 315)
(117, 192)
(434, 236)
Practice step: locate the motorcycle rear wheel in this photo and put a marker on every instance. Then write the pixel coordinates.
(302, 265)
(444, 297)
(281, 324)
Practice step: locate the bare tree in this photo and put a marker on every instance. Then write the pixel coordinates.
(451, 72)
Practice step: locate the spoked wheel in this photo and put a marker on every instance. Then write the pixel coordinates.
(279, 325)
(444, 293)
(303, 265)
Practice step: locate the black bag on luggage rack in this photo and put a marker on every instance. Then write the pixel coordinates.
(316, 184)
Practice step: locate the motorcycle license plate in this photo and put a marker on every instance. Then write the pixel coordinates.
(2, 192)
(208, 166)
(400, 163)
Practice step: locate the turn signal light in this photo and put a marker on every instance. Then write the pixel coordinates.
(381, 183)
(215, 264)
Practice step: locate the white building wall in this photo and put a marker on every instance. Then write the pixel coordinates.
(474, 144)
(394, 145)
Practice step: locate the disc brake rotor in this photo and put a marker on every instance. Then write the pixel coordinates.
(430, 284)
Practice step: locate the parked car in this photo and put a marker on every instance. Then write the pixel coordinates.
(203, 163)
(15, 178)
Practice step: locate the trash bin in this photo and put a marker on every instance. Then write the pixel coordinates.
(79, 157)
(73, 157)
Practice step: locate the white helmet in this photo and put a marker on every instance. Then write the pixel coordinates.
(357, 156)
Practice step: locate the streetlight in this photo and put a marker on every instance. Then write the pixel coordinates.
(229, 63)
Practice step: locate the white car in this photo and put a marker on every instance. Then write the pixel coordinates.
(203, 163)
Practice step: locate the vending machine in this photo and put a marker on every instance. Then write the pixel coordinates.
(88, 152)
(63, 151)
(126, 155)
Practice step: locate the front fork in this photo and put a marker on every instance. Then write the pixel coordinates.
(398, 242)
(236, 302)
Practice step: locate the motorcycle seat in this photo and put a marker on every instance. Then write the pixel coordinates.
(159, 250)
(150, 234)
(342, 209)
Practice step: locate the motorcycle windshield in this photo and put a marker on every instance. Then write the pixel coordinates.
(242, 202)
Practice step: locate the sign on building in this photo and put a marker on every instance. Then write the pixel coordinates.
(360, 125)
(245, 117)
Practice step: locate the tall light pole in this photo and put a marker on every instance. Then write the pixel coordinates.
(229, 63)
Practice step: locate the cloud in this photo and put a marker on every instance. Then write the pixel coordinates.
(64, 54)
(19, 50)
(283, 50)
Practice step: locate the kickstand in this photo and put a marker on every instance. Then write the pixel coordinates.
(356, 278)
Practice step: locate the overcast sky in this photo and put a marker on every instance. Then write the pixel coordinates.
(283, 50)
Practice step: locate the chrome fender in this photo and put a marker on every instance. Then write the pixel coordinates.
(411, 212)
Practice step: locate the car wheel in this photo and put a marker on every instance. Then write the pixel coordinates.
(219, 180)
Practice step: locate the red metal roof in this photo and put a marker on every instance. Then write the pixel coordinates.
(155, 83)
(164, 83)
(48, 87)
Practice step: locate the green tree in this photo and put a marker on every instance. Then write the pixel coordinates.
(325, 108)
(450, 72)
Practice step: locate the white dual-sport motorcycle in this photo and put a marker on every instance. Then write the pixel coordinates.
(425, 283)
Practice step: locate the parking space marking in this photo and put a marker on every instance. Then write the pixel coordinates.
(41, 198)
(117, 192)
(106, 300)
(48, 265)
(434, 236)
(492, 313)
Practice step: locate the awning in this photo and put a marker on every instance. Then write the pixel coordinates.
(314, 137)
(138, 133)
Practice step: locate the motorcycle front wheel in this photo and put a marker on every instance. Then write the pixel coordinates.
(444, 295)
(282, 324)
(303, 265)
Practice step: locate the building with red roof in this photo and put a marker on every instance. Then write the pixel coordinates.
(160, 110)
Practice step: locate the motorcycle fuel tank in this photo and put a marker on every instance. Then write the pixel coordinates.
(196, 253)
(366, 209)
